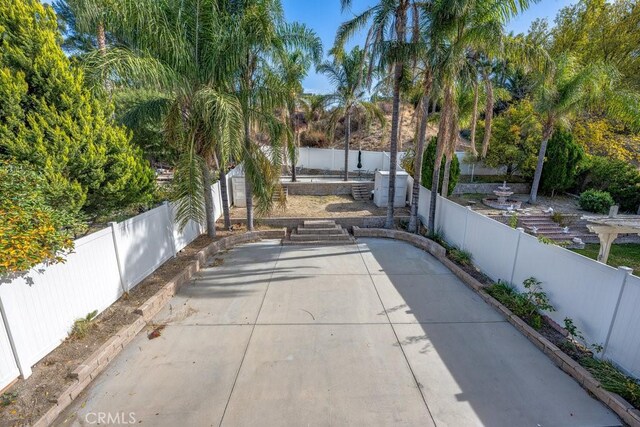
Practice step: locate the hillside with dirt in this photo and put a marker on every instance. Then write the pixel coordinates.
(373, 137)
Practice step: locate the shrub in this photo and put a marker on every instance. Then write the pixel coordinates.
(460, 256)
(620, 179)
(596, 201)
(314, 138)
(83, 325)
(527, 305)
(613, 380)
(564, 157)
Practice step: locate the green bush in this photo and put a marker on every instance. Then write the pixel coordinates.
(618, 178)
(564, 157)
(429, 160)
(596, 201)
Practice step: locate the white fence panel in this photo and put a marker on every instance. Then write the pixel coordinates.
(477, 168)
(188, 234)
(624, 342)
(424, 202)
(578, 287)
(144, 243)
(492, 244)
(8, 367)
(452, 219)
(333, 159)
(40, 314)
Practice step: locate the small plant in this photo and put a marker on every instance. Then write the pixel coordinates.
(438, 237)
(597, 348)
(536, 296)
(572, 330)
(558, 218)
(545, 240)
(8, 398)
(461, 256)
(596, 201)
(527, 305)
(513, 221)
(82, 326)
(613, 380)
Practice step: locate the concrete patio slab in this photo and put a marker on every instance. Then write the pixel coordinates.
(322, 299)
(210, 300)
(321, 260)
(431, 298)
(475, 374)
(325, 375)
(324, 352)
(383, 256)
(182, 378)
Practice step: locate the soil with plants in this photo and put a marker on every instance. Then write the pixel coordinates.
(531, 305)
(26, 401)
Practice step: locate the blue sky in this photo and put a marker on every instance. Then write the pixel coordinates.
(324, 17)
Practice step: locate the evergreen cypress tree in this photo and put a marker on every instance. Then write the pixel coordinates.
(49, 119)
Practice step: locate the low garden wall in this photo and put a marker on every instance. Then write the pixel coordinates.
(484, 188)
(323, 188)
(346, 222)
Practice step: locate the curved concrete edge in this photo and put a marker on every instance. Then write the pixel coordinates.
(616, 403)
(95, 363)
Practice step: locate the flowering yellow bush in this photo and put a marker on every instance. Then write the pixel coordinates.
(31, 230)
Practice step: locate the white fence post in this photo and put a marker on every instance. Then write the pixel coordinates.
(23, 366)
(466, 225)
(114, 236)
(172, 237)
(624, 272)
(515, 256)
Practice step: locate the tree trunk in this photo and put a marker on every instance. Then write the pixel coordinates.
(294, 158)
(292, 149)
(548, 132)
(443, 133)
(417, 167)
(445, 179)
(488, 116)
(347, 137)
(474, 118)
(102, 39)
(225, 198)
(248, 189)
(401, 114)
(208, 201)
(401, 17)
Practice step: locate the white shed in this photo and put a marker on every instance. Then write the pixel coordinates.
(381, 189)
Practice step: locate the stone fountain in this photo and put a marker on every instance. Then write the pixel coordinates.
(502, 201)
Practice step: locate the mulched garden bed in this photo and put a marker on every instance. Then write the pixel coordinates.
(26, 401)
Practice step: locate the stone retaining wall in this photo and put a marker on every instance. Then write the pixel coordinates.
(346, 222)
(323, 188)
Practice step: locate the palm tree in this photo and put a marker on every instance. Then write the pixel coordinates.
(385, 45)
(293, 67)
(457, 28)
(349, 98)
(180, 51)
(571, 88)
(264, 36)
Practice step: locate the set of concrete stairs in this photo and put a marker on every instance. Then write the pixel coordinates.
(361, 192)
(319, 232)
(543, 225)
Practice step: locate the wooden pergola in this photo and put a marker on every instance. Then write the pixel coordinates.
(609, 227)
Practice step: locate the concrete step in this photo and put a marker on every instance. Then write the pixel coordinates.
(287, 242)
(319, 223)
(329, 230)
(316, 237)
(549, 228)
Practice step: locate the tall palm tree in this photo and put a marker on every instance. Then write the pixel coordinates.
(386, 45)
(571, 88)
(265, 36)
(456, 28)
(349, 97)
(293, 67)
(180, 51)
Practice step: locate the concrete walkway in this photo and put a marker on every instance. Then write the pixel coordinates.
(374, 334)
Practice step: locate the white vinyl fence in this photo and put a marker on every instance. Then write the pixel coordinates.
(333, 160)
(38, 311)
(602, 301)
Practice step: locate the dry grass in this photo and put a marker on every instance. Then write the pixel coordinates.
(324, 207)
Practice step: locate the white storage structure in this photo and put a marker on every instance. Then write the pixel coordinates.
(239, 198)
(381, 189)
